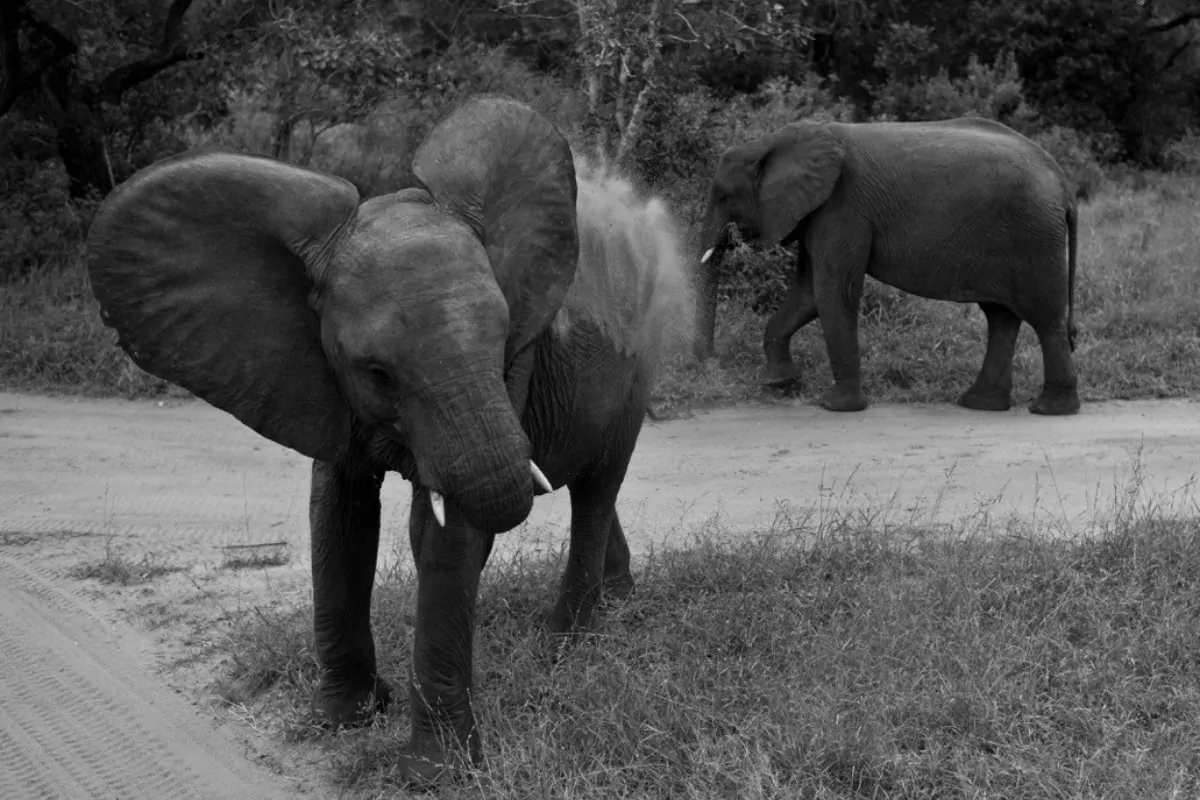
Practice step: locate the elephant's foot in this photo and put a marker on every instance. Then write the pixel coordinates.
(350, 703)
(567, 620)
(1056, 402)
(618, 587)
(424, 762)
(979, 399)
(782, 374)
(839, 399)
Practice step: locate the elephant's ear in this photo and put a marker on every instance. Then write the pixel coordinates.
(203, 264)
(508, 172)
(800, 166)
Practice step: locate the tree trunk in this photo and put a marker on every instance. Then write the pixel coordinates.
(79, 136)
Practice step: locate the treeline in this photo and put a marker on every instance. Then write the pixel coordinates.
(96, 89)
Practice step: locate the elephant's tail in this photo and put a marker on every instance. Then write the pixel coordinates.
(1072, 240)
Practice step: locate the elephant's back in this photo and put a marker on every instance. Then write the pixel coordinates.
(961, 143)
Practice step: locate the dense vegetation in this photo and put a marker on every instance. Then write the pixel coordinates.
(95, 89)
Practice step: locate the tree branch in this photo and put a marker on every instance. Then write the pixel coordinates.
(1176, 53)
(630, 131)
(171, 51)
(1178, 22)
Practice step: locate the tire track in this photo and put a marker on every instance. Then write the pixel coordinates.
(81, 717)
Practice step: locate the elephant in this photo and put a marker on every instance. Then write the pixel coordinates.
(490, 334)
(965, 209)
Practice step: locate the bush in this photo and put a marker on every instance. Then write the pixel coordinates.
(992, 91)
(39, 226)
(374, 149)
(1075, 153)
(1183, 155)
(776, 103)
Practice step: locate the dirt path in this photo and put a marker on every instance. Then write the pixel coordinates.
(180, 481)
(142, 470)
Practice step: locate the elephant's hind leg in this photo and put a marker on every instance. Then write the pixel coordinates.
(598, 558)
(1060, 392)
(992, 390)
(592, 516)
(344, 519)
(798, 309)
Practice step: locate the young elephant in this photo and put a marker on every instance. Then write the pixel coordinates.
(966, 210)
(442, 332)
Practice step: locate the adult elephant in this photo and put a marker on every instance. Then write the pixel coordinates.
(442, 332)
(966, 210)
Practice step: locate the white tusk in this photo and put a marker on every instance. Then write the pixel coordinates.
(707, 255)
(539, 478)
(439, 507)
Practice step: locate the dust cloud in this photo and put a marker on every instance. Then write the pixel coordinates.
(633, 280)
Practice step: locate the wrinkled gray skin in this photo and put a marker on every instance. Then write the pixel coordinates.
(965, 210)
(411, 333)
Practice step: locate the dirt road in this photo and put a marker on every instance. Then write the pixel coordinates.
(80, 692)
(190, 471)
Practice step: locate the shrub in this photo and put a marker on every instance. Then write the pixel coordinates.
(39, 226)
(1183, 154)
(1076, 154)
(776, 103)
(992, 91)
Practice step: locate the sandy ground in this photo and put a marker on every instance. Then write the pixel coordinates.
(178, 483)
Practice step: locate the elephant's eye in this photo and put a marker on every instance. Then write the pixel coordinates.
(380, 376)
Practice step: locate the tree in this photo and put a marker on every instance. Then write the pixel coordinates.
(45, 46)
(628, 51)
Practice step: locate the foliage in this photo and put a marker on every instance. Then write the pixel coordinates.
(351, 87)
(1183, 154)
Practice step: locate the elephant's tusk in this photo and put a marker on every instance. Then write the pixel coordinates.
(707, 255)
(539, 478)
(439, 507)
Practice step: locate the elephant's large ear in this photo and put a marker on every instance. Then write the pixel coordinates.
(508, 172)
(798, 170)
(203, 264)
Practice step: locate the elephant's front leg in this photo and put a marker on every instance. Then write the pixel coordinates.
(797, 310)
(838, 289)
(449, 561)
(344, 520)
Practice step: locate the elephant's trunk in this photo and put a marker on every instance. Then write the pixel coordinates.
(712, 251)
(476, 455)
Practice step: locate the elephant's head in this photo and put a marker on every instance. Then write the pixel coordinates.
(765, 187)
(268, 291)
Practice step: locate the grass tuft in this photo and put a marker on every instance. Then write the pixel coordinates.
(256, 556)
(841, 662)
(116, 568)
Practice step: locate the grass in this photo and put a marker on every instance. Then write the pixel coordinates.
(1138, 309)
(116, 569)
(256, 556)
(843, 660)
